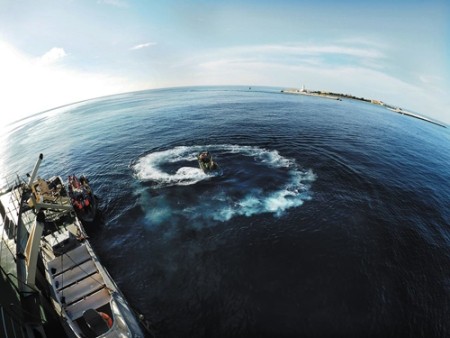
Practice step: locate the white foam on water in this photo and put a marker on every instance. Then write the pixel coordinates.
(148, 168)
(293, 194)
(269, 157)
(158, 215)
(223, 206)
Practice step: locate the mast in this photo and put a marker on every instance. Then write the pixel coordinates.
(35, 170)
(32, 248)
(28, 251)
(24, 288)
(29, 294)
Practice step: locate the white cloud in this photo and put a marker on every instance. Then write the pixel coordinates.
(29, 87)
(364, 74)
(317, 50)
(115, 3)
(292, 50)
(362, 41)
(52, 56)
(143, 45)
(292, 54)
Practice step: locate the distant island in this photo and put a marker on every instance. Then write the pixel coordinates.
(339, 97)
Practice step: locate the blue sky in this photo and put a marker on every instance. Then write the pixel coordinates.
(57, 52)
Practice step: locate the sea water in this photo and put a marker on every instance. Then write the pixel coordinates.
(327, 218)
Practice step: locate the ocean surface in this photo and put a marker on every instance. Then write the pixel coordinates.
(328, 218)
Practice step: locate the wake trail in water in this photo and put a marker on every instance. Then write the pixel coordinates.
(148, 168)
(254, 181)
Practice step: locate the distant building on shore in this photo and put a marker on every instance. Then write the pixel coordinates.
(381, 103)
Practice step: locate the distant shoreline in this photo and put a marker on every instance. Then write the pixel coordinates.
(339, 97)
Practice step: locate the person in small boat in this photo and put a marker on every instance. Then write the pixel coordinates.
(204, 157)
(74, 182)
(85, 183)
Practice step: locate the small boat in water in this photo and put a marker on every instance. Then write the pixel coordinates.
(82, 198)
(206, 162)
(81, 290)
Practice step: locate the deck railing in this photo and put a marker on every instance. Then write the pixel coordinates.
(10, 326)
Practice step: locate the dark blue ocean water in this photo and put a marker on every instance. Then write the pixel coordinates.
(330, 218)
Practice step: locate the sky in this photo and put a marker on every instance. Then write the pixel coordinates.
(55, 52)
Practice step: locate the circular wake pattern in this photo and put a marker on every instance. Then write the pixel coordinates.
(251, 181)
(159, 167)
